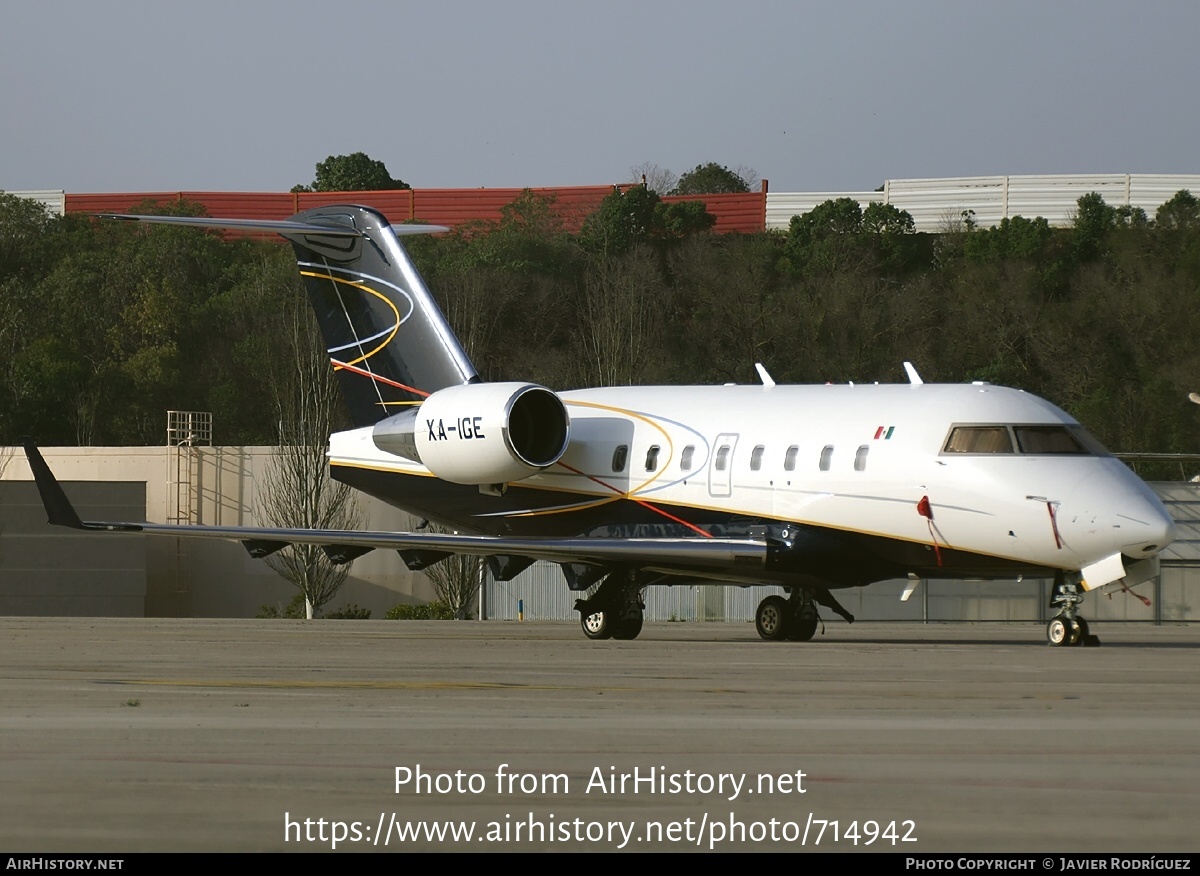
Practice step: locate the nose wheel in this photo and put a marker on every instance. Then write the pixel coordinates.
(1068, 627)
(1063, 630)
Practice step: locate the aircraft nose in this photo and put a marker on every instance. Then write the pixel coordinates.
(1120, 514)
(1156, 532)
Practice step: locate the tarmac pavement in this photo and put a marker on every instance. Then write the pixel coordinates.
(136, 735)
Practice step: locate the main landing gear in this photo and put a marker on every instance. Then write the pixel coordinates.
(615, 611)
(1068, 627)
(795, 618)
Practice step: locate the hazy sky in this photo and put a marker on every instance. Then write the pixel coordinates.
(249, 96)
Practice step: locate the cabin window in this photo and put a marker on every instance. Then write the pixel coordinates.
(756, 456)
(619, 457)
(860, 458)
(979, 439)
(685, 461)
(722, 458)
(652, 457)
(789, 458)
(826, 457)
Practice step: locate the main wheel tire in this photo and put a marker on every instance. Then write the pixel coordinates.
(1058, 631)
(628, 627)
(771, 619)
(1086, 639)
(597, 625)
(803, 627)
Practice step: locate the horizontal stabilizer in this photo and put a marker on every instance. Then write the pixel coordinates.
(388, 342)
(278, 226)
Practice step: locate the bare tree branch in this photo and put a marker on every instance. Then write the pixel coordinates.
(296, 490)
(456, 580)
(659, 180)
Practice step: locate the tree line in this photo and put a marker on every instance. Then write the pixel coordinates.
(104, 326)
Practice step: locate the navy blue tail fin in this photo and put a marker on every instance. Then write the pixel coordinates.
(386, 338)
(384, 333)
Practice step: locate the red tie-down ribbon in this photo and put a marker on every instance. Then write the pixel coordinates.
(926, 511)
(1054, 525)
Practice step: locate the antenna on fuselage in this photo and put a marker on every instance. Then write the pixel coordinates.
(913, 377)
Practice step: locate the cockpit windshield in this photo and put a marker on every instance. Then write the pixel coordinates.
(1028, 440)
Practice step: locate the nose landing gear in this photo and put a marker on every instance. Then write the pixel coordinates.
(1068, 627)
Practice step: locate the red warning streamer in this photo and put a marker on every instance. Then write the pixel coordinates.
(1054, 525)
(926, 510)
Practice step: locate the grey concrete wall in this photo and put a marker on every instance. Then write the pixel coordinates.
(180, 577)
(50, 571)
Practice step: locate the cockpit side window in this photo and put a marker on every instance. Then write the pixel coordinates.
(1088, 440)
(1048, 439)
(978, 439)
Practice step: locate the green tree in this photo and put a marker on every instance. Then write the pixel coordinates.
(840, 216)
(529, 237)
(1181, 212)
(625, 219)
(887, 219)
(622, 220)
(356, 172)
(683, 218)
(1014, 239)
(24, 236)
(1177, 225)
(826, 237)
(710, 179)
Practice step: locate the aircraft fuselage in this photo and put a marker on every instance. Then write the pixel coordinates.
(861, 481)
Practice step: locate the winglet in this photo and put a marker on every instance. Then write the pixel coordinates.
(59, 510)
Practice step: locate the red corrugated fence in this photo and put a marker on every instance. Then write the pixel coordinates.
(745, 213)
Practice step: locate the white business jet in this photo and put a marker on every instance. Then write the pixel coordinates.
(811, 488)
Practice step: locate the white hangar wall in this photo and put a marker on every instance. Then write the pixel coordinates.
(937, 205)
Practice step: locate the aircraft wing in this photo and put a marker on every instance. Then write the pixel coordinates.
(682, 556)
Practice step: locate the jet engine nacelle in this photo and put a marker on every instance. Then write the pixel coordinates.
(481, 433)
